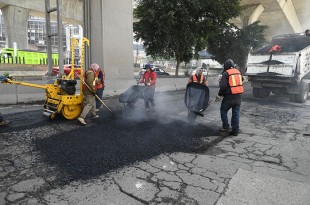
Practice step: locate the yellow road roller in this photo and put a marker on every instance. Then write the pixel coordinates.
(61, 97)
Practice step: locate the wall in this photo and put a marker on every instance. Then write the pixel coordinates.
(16, 94)
(111, 37)
(21, 70)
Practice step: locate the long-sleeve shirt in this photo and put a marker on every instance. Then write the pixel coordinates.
(147, 76)
(89, 80)
(101, 76)
(224, 85)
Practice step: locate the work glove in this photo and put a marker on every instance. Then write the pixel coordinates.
(2, 78)
(93, 93)
(218, 98)
(148, 84)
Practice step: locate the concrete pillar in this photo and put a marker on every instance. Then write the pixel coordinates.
(251, 14)
(16, 24)
(110, 31)
(289, 11)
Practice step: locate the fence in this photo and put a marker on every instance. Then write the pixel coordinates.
(42, 61)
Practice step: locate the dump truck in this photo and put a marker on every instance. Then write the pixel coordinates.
(282, 67)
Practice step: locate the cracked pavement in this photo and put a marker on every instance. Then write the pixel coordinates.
(157, 158)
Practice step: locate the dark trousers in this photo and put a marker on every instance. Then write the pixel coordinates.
(232, 102)
(1, 118)
(148, 96)
(99, 94)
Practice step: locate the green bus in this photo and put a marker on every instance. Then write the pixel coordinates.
(25, 56)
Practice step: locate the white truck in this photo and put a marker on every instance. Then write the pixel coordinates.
(283, 67)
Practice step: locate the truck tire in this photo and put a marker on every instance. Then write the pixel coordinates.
(292, 98)
(256, 92)
(265, 92)
(261, 92)
(277, 91)
(304, 91)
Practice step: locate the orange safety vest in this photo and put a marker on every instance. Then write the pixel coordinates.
(195, 80)
(99, 84)
(235, 81)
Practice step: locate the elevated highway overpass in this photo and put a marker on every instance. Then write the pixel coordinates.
(107, 24)
(16, 13)
(72, 10)
(281, 16)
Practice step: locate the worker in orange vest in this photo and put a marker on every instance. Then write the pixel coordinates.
(100, 76)
(231, 88)
(198, 77)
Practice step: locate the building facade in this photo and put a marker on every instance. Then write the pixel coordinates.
(37, 39)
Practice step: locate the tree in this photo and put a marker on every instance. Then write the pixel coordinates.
(180, 28)
(234, 43)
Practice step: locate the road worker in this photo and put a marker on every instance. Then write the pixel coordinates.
(149, 80)
(198, 77)
(89, 91)
(100, 76)
(231, 88)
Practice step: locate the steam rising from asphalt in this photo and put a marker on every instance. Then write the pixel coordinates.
(167, 109)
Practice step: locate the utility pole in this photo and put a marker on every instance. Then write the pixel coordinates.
(49, 36)
(86, 30)
(60, 39)
(137, 54)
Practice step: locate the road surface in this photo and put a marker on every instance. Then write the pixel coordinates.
(158, 158)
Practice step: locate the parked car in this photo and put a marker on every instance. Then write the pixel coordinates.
(159, 71)
(67, 70)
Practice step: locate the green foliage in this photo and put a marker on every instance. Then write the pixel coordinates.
(180, 28)
(6, 74)
(234, 43)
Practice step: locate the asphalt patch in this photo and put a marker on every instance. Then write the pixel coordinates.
(110, 144)
(26, 120)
